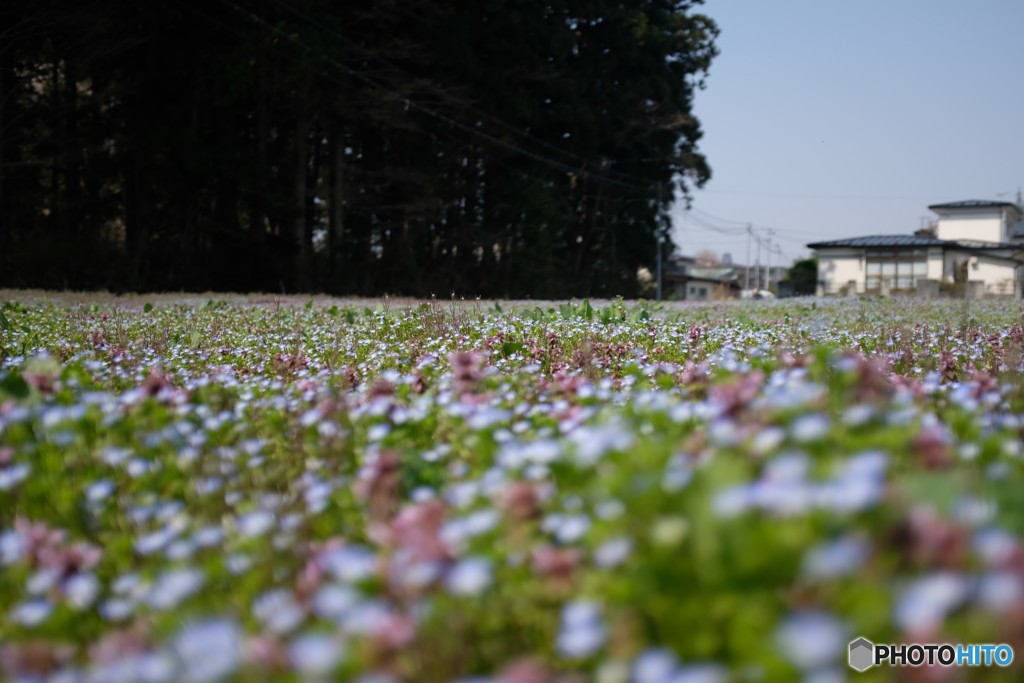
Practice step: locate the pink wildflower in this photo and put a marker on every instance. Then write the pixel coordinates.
(525, 671)
(378, 484)
(732, 397)
(521, 500)
(466, 371)
(33, 660)
(417, 528)
(556, 563)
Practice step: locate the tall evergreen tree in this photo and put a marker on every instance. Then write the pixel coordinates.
(495, 148)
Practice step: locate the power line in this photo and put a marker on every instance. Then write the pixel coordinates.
(551, 163)
(514, 129)
(695, 220)
(706, 221)
(819, 196)
(700, 218)
(716, 218)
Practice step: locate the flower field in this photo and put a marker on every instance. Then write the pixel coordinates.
(619, 493)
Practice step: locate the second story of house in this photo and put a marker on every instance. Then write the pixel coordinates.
(979, 220)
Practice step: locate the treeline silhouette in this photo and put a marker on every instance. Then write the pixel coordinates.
(502, 148)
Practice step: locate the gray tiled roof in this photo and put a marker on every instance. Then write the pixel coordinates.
(687, 272)
(912, 241)
(882, 241)
(979, 244)
(712, 273)
(972, 204)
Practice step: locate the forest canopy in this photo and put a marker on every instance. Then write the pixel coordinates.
(497, 148)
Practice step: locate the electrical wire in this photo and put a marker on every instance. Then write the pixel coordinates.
(514, 129)
(547, 161)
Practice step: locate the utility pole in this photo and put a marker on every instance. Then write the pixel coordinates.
(758, 264)
(750, 232)
(769, 278)
(657, 227)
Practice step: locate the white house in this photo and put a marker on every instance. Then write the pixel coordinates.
(978, 244)
(978, 220)
(685, 280)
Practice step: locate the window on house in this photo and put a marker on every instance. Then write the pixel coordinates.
(895, 269)
(873, 275)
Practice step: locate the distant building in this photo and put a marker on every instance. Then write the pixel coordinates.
(685, 280)
(976, 249)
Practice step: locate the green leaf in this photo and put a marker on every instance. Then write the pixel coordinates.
(147, 308)
(14, 385)
(940, 490)
(334, 311)
(5, 324)
(586, 310)
(509, 348)
(1009, 506)
(212, 305)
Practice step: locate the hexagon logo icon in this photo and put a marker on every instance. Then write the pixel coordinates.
(862, 654)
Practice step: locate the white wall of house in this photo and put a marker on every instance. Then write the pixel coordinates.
(898, 268)
(984, 225)
(999, 275)
(837, 267)
(936, 265)
(698, 291)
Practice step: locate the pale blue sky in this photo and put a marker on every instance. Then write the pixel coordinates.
(836, 118)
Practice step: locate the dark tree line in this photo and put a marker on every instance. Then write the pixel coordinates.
(484, 147)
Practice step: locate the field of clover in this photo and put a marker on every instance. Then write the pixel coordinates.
(472, 493)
